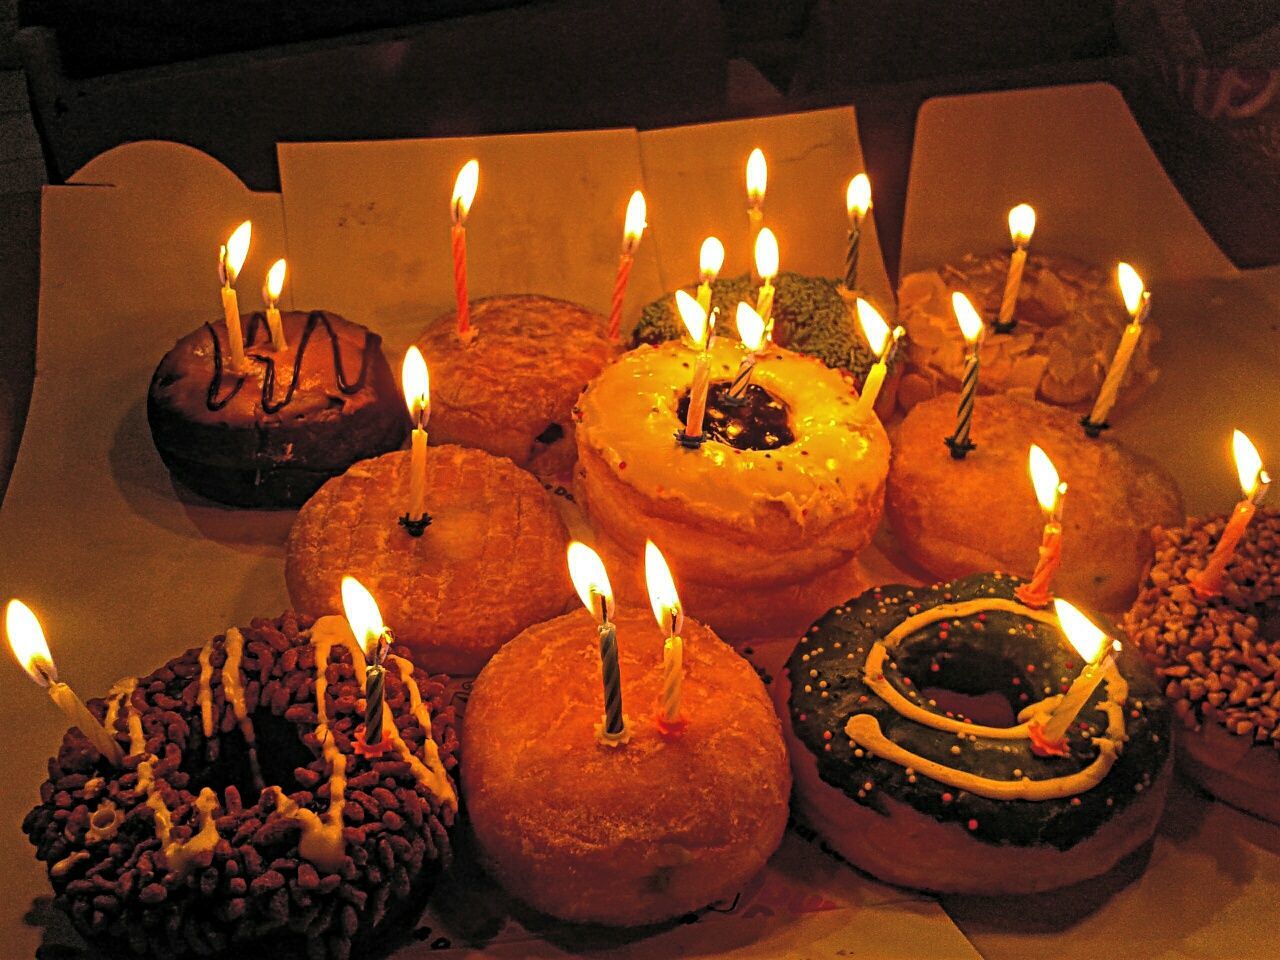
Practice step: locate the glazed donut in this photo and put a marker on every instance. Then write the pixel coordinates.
(1069, 320)
(299, 416)
(919, 795)
(490, 563)
(511, 389)
(782, 494)
(244, 817)
(631, 834)
(812, 315)
(1219, 658)
(956, 517)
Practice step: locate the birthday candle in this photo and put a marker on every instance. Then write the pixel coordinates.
(416, 382)
(1138, 302)
(591, 581)
(669, 613)
(1254, 481)
(464, 194)
(882, 342)
(1022, 223)
(757, 183)
(710, 260)
(766, 260)
(365, 619)
(1037, 591)
(1094, 646)
(698, 326)
(971, 326)
(231, 256)
(271, 294)
(857, 201)
(632, 231)
(751, 333)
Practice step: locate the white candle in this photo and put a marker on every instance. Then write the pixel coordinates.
(1022, 223)
(231, 256)
(882, 342)
(416, 381)
(1138, 302)
(766, 260)
(1092, 644)
(698, 326)
(710, 260)
(26, 640)
(668, 611)
(271, 294)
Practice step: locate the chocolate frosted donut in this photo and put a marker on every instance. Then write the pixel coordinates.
(1219, 659)
(921, 796)
(1069, 320)
(245, 817)
(272, 435)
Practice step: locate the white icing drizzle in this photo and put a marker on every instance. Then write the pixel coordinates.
(233, 690)
(63, 866)
(432, 774)
(864, 729)
(205, 695)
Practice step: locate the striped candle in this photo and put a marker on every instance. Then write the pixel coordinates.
(464, 193)
(591, 581)
(971, 326)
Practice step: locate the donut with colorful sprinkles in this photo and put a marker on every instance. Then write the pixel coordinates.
(913, 717)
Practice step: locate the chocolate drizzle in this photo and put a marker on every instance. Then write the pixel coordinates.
(760, 422)
(258, 321)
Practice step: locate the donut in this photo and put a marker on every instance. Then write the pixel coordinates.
(920, 795)
(1069, 321)
(785, 493)
(631, 834)
(270, 437)
(244, 820)
(1218, 658)
(956, 517)
(511, 389)
(812, 315)
(490, 563)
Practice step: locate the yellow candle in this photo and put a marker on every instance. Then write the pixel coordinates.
(698, 326)
(271, 294)
(1254, 481)
(710, 260)
(766, 260)
(668, 611)
(1022, 223)
(882, 342)
(231, 256)
(416, 381)
(1095, 647)
(1138, 302)
(26, 640)
(757, 182)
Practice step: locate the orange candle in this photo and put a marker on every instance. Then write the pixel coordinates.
(1050, 492)
(669, 613)
(464, 192)
(1022, 223)
(1253, 483)
(632, 231)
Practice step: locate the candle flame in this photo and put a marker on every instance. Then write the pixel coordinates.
(873, 328)
(710, 258)
(275, 281)
(26, 640)
(694, 317)
(857, 197)
(750, 327)
(767, 254)
(590, 579)
(633, 227)
(1089, 641)
(1044, 477)
(1022, 223)
(757, 177)
(967, 317)
(1131, 288)
(235, 250)
(663, 598)
(1248, 464)
(415, 380)
(362, 614)
(464, 190)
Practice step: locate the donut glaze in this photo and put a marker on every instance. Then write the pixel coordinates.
(1118, 746)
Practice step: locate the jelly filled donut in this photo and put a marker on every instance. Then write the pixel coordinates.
(510, 389)
(271, 435)
(1219, 658)
(626, 834)
(956, 517)
(921, 796)
(1069, 319)
(766, 517)
(489, 564)
(245, 818)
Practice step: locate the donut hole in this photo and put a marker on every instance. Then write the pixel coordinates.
(760, 421)
(278, 752)
(975, 684)
(550, 435)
